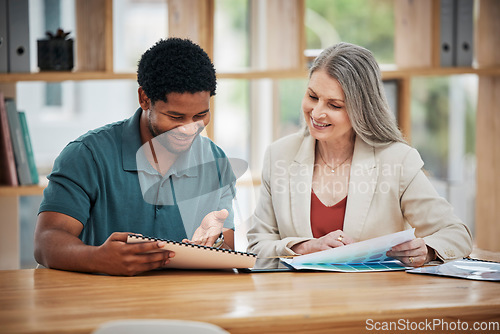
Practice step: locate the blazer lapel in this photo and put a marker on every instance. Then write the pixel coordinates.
(300, 173)
(362, 184)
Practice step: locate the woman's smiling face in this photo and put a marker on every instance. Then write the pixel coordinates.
(324, 108)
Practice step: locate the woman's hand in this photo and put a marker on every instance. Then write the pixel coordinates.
(413, 253)
(331, 240)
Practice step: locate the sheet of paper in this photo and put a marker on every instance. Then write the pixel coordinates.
(466, 268)
(372, 250)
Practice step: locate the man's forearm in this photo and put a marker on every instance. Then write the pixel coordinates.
(59, 249)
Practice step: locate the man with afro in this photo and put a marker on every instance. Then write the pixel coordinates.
(152, 174)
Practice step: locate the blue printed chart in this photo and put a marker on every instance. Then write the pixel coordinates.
(363, 256)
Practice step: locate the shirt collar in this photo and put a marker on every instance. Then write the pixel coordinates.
(186, 164)
(131, 141)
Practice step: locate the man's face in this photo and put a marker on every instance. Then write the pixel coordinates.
(177, 122)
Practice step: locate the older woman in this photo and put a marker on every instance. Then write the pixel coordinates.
(349, 175)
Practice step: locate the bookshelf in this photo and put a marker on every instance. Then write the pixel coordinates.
(487, 47)
(416, 54)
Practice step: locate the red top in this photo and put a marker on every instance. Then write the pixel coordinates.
(326, 219)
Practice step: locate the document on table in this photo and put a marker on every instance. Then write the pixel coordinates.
(367, 255)
(465, 268)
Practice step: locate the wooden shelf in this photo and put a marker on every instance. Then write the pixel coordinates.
(388, 73)
(438, 71)
(34, 190)
(263, 74)
(64, 76)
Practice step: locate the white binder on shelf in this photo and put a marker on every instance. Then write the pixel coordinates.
(4, 47)
(447, 33)
(18, 35)
(464, 43)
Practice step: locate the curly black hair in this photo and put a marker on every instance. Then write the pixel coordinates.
(175, 65)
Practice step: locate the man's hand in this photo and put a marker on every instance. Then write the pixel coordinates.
(209, 229)
(120, 258)
(57, 246)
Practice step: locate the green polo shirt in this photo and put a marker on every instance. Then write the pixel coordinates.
(95, 180)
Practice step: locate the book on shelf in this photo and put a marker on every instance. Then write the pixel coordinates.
(8, 173)
(447, 33)
(456, 32)
(4, 40)
(18, 35)
(18, 144)
(362, 256)
(464, 43)
(29, 148)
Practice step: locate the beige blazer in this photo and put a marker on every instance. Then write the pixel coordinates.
(388, 192)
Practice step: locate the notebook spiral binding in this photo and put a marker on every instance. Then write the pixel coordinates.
(186, 244)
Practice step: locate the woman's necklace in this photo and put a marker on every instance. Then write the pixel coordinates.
(332, 169)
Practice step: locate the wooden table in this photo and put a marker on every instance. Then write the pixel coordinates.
(52, 301)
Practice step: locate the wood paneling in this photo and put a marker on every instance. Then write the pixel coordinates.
(192, 19)
(277, 35)
(487, 46)
(404, 101)
(487, 33)
(488, 164)
(94, 35)
(285, 22)
(414, 22)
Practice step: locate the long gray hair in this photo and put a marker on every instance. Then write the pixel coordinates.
(359, 75)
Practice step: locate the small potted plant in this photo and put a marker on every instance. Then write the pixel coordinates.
(56, 52)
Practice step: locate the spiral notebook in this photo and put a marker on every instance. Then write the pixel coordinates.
(191, 256)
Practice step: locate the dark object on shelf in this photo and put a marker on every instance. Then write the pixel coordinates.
(56, 52)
